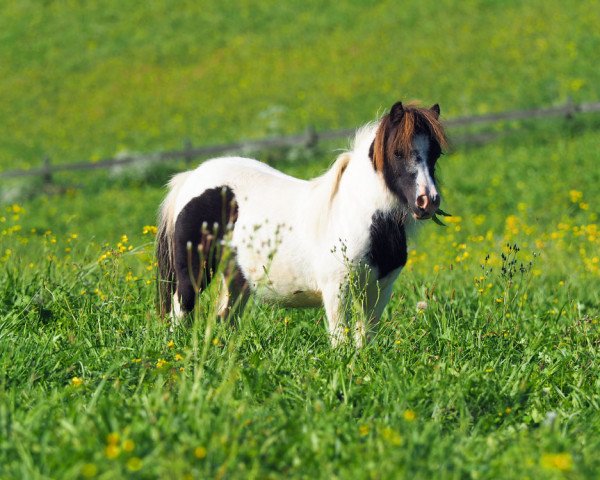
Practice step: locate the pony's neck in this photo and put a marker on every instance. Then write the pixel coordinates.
(353, 182)
(361, 182)
(350, 189)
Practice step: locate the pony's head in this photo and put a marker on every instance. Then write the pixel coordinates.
(408, 142)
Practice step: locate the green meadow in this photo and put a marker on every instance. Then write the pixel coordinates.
(487, 362)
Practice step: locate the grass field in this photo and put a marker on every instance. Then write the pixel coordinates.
(497, 377)
(85, 80)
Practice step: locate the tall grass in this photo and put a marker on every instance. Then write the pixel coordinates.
(485, 365)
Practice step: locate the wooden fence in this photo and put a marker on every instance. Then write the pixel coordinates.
(307, 139)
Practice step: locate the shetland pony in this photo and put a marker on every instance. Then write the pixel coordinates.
(296, 242)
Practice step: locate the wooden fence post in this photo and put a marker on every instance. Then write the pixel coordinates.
(47, 171)
(187, 148)
(571, 109)
(312, 138)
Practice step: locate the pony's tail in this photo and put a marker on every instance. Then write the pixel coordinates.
(164, 246)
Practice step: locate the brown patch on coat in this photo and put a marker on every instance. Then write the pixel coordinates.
(340, 167)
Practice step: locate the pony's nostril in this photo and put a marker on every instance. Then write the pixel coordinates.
(423, 201)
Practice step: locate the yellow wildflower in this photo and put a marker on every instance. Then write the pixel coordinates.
(363, 430)
(76, 381)
(161, 363)
(575, 196)
(512, 225)
(134, 464)
(112, 451)
(557, 461)
(409, 415)
(200, 452)
(128, 445)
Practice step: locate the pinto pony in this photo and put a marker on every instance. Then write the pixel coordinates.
(295, 242)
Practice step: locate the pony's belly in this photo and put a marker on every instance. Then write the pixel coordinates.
(274, 261)
(296, 299)
(282, 284)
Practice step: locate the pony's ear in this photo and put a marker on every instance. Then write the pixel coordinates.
(436, 110)
(396, 112)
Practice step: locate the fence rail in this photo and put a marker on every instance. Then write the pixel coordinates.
(308, 139)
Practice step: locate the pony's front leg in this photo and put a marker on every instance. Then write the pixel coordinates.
(377, 297)
(233, 295)
(335, 303)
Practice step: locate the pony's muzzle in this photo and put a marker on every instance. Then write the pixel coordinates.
(426, 206)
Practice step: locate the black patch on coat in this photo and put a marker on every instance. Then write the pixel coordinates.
(214, 206)
(388, 249)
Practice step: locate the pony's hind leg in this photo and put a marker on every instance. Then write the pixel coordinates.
(233, 295)
(199, 230)
(176, 311)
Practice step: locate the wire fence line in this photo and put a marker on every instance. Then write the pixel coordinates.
(308, 139)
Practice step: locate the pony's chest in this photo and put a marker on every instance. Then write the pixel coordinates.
(387, 249)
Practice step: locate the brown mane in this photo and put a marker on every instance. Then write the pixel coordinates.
(396, 136)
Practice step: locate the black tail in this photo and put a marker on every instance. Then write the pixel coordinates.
(165, 273)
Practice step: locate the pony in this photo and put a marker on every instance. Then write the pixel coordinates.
(303, 243)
